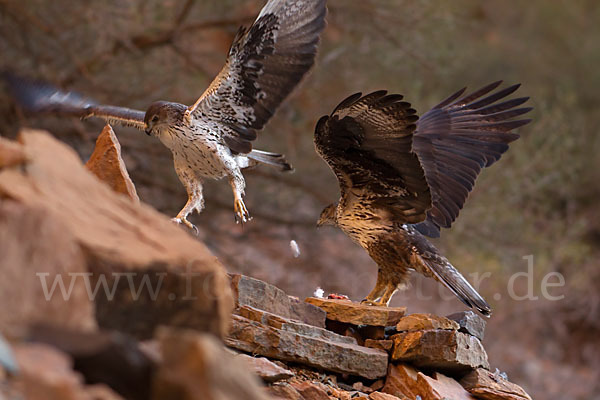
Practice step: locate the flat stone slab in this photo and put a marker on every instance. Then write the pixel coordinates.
(358, 314)
(421, 322)
(486, 385)
(308, 345)
(261, 295)
(384, 344)
(265, 368)
(442, 350)
(470, 323)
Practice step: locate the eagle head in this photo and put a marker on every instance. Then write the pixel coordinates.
(327, 216)
(161, 115)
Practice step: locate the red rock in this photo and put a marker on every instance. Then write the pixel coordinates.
(263, 296)
(308, 345)
(284, 391)
(196, 366)
(112, 238)
(310, 391)
(109, 358)
(380, 344)
(36, 249)
(384, 396)
(358, 314)
(422, 322)
(266, 369)
(377, 385)
(470, 323)
(404, 381)
(11, 153)
(46, 374)
(108, 165)
(486, 385)
(440, 350)
(101, 392)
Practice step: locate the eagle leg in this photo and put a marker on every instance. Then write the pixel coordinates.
(237, 185)
(195, 202)
(377, 292)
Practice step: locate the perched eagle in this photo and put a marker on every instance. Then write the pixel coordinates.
(402, 177)
(213, 137)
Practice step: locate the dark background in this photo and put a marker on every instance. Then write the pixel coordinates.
(541, 199)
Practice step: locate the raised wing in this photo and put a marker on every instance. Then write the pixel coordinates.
(41, 97)
(264, 65)
(456, 139)
(367, 143)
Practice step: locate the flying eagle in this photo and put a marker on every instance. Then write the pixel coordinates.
(213, 137)
(402, 177)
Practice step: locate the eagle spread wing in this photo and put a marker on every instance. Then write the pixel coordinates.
(367, 142)
(456, 139)
(265, 63)
(41, 97)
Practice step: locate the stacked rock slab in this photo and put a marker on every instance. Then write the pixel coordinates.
(428, 353)
(267, 322)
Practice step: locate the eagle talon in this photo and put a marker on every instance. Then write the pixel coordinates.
(241, 212)
(371, 302)
(187, 223)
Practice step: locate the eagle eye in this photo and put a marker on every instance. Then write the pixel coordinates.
(155, 118)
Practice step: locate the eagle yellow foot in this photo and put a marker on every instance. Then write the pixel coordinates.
(184, 221)
(241, 212)
(373, 303)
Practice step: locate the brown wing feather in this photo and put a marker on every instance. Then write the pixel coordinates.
(41, 97)
(265, 63)
(456, 139)
(367, 143)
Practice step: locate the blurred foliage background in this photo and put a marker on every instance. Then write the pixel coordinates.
(541, 199)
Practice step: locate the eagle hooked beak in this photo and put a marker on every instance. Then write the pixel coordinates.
(148, 131)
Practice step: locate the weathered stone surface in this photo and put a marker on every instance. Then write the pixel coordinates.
(344, 329)
(358, 314)
(266, 369)
(11, 153)
(101, 392)
(284, 391)
(442, 350)
(306, 313)
(108, 165)
(422, 322)
(486, 385)
(36, 249)
(277, 322)
(46, 374)
(310, 391)
(404, 381)
(307, 345)
(383, 396)
(260, 295)
(196, 366)
(154, 272)
(109, 358)
(385, 344)
(470, 323)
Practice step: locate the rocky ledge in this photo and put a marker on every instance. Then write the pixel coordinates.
(194, 332)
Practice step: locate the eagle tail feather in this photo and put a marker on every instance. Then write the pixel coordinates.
(272, 159)
(445, 273)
